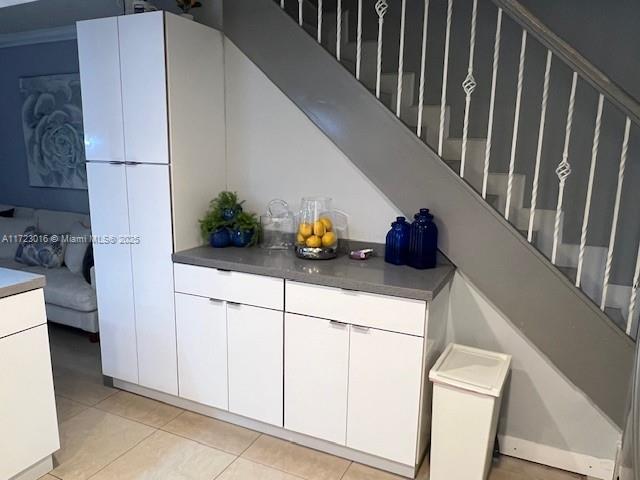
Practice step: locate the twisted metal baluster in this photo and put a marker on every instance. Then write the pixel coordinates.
(516, 124)
(634, 294)
(338, 28)
(359, 41)
(381, 10)
(616, 211)
(536, 173)
(401, 58)
(422, 67)
(587, 204)
(468, 85)
(319, 21)
(494, 77)
(445, 73)
(563, 169)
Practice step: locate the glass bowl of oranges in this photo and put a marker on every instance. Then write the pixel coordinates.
(316, 236)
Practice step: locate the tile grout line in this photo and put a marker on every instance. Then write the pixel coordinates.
(285, 471)
(123, 454)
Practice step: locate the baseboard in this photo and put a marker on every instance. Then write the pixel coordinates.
(279, 432)
(554, 457)
(37, 470)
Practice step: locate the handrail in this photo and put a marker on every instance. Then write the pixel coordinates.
(561, 49)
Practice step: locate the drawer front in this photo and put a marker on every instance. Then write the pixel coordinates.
(257, 290)
(22, 311)
(395, 314)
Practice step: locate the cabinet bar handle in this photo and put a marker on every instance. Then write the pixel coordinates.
(361, 329)
(215, 300)
(113, 162)
(234, 304)
(335, 323)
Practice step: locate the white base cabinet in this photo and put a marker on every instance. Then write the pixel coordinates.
(385, 374)
(354, 384)
(201, 327)
(315, 377)
(255, 362)
(28, 421)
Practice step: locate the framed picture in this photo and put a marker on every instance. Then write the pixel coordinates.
(52, 128)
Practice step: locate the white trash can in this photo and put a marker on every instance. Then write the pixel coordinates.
(467, 391)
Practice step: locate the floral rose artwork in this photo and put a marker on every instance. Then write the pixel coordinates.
(53, 135)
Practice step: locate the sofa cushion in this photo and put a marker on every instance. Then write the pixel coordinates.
(78, 241)
(10, 231)
(41, 249)
(67, 289)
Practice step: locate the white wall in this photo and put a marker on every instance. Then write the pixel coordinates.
(275, 151)
(540, 405)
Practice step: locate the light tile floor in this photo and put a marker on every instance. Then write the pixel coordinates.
(107, 434)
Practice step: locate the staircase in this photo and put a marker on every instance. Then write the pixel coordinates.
(413, 152)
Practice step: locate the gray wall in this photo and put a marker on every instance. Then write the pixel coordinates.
(25, 61)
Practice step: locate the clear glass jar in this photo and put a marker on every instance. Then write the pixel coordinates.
(278, 226)
(316, 235)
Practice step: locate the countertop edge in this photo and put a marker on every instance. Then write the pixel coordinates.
(23, 287)
(317, 279)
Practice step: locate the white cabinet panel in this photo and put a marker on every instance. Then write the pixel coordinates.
(150, 219)
(114, 280)
(99, 58)
(256, 290)
(27, 406)
(201, 327)
(144, 87)
(396, 314)
(315, 377)
(384, 393)
(20, 312)
(255, 353)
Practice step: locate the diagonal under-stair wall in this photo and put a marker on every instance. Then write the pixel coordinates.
(557, 318)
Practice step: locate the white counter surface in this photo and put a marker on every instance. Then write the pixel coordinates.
(13, 282)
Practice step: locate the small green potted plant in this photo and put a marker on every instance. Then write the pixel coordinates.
(225, 223)
(246, 230)
(216, 225)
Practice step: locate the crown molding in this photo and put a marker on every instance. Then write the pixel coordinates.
(44, 35)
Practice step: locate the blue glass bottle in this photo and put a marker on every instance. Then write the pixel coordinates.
(423, 241)
(397, 245)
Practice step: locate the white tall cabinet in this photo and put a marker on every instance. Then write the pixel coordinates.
(144, 77)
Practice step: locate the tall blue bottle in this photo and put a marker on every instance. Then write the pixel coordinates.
(423, 241)
(396, 248)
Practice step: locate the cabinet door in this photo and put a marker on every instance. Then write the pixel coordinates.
(144, 87)
(385, 369)
(316, 356)
(255, 353)
(150, 218)
(201, 327)
(114, 281)
(27, 405)
(99, 58)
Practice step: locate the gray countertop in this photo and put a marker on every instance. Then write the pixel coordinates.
(13, 282)
(373, 275)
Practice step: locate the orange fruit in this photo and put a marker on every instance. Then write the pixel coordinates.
(305, 229)
(318, 228)
(314, 241)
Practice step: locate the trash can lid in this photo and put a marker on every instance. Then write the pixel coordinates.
(471, 369)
